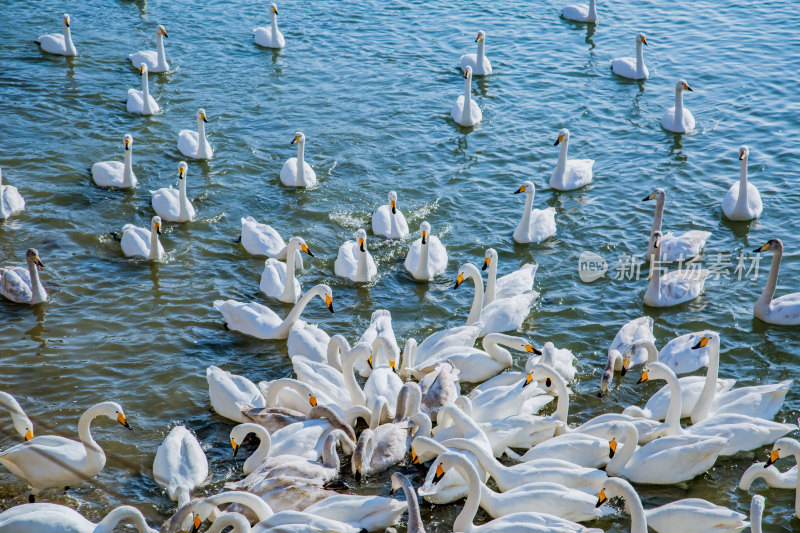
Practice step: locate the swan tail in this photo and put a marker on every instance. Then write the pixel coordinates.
(238, 239)
(116, 236)
(37, 43)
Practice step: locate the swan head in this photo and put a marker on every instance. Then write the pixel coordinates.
(357, 459)
(161, 30)
(155, 224)
(481, 36)
(659, 194)
(22, 425)
(526, 187)
(240, 432)
(182, 168)
(744, 152)
(201, 115)
(32, 256)
(393, 201)
(491, 255)
(273, 8)
(301, 244)
(655, 371)
(326, 294)
(782, 448)
(398, 480)
(640, 38)
(143, 70)
(127, 141)
(114, 411)
(539, 372)
(773, 245)
(563, 136)
(468, 73)
(425, 228)
(612, 487)
(299, 138)
(361, 239)
(66, 20)
(682, 85)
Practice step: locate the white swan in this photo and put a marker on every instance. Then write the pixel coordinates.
(427, 256)
(452, 486)
(10, 200)
(570, 174)
(227, 390)
(380, 449)
(784, 310)
(743, 201)
(180, 465)
(296, 172)
(521, 522)
(672, 288)
(54, 518)
(278, 279)
(141, 242)
(367, 513)
(114, 173)
(679, 354)
(380, 325)
(299, 440)
(562, 360)
(690, 515)
(756, 513)
(21, 422)
(270, 37)
(140, 102)
(194, 144)
(354, 261)
(784, 448)
(156, 60)
(56, 43)
(173, 205)
(23, 286)
(262, 239)
(51, 461)
(388, 221)
(678, 119)
(414, 519)
(506, 314)
(466, 111)
(262, 322)
(772, 476)
(439, 388)
(677, 245)
(536, 225)
(511, 284)
(383, 381)
(629, 67)
(479, 63)
(581, 12)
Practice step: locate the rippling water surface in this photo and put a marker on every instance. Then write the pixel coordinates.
(371, 83)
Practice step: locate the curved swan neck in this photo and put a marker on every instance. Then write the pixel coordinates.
(330, 458)
(288, 289)
(127, 168)
(261, 453)
(125, 512)
(409, 356)
(628, 440)
(37, 289)
(562, 396)
(336, 346)
(673, 418)
(492, 466)
(85, 432)
(772, 281)
(639, 52)
(633, 505)
(238, 521)
(491, 345)
(464, 520)
(301, 144)
(154, 250)
(477, 299)
(678, 119)
(357, 396)
(301, 304)
(703, 406)
(652, 351)
(414, 518)
(260, 508)
(741, 202)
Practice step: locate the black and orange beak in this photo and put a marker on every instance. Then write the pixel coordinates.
(601, 499)
(521, 189)
(235, 447)
(122, 420)
(329, 303)
(459, 280)
(304, 247)
(774, 455)
(439, 473)
(612, 448)
(414, 457)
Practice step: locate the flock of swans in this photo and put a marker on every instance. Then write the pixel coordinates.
(558, 474)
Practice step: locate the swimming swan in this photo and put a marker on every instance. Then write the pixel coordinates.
(114, 173)
(180, 465)
(771, 476)
(678, 119)
(427, 256)
(479, 63)
(511, 284)
(388, 221)
(262, 322)
(278, 280)
(173, 205)
(743, 201)
(672, 288)
(226, 391)
(54, 518)
(140, 102)
(56, 43)
(261, 239)
(581, 12)
(270, 37)
(784, 310)
(296, 172)
(674, 245)
(786, 447)
(141, 242)
(354, 261)
(194, 144)
(536, 225)
(570, 174)
(466, 111)
(23, 286)
(367, 513)
(10, 200)
(629, 67)
(156, 61)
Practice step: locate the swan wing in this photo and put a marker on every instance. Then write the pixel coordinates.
(785, 310)
(15, 284)
(145, 57)
(188, 143)
(180, 462)
(166, 203)
(701, 514)
(135, 241)
(579, 13)
(261, 239)
(135, 101)
(10, 201)
(446, 338)
(308, 340)
(517, 281)
(273, 278)
(381, 221)
(108, 173)
(323, 377)
(380, 326)
(53, 43)
(52, 461)
(507, 314)
(250, 318)
(437, 256)
(227, 390)
(683, 244)
(761, 401)
(346, 264)
(371, 513)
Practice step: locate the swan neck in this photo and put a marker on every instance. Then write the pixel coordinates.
(362, 270)
(183, 496)
(288, 289)
(633, 505)
(592, 10)
(659, 215)
(678, 119)
(491, 345)
(772, 280)
(238, 521)
(85, 432)
(561, 166)
(261, 453)
(489, 464)
(467, 97)
(146, 94)
(673, 418)
(297, 310)
(301, 149)
(409, 356)
(38, 293)
(526, 214)
(562, 397)
(703, 405)
(741, 202)
(477, 300)
(126, 512)
(154, 251)
(424, 252)
(652, 352)
(639, 52)
(464, 520)
(329, 456)
(182, 200)
(162, 55)
(655, 273)
(201, 139)
(68, 41)
(414, 518)
(480, 57)
(490, 293)
(357, 396)
(127, 168)
(629, 440)
(273, 23)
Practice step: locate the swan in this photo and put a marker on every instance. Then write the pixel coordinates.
(678, 245)
(427, 256)
(143, 242)
(688, 515)
(761, 401)
(466, 111)
(453, 421)
(114, 173)
(784, 448)
(678, 119)
(377, 452)
(383, 381)
(297, 396)
(581, 12)
(367, 513)
(628, 67)
(388, 221)
(180, 465)
(54, 518)
(672, 288)
(506, 314)
(772, 476)
(479, 63)
(743, 201)
(679, 354)
(156, 61)
(784, 310)
(414, 354)
(278, 280)
(226, 390)
(380, 325)
(51, 461)
(341, 387)
(21, 422)
(23, 286)
(414, 519)
(561, 360)
(194, 144)
(624, 351)
(262, 322)
(270, 37)
(452, 486)
(570, 174)
(263, 240)
(756, 513)
(56, 43)
(172, 205)
(522, 522)
(511, 284)
(140, 102)
(354, 261)
(10, 200)
(296, 172)
(537, 224)
(437, 389)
